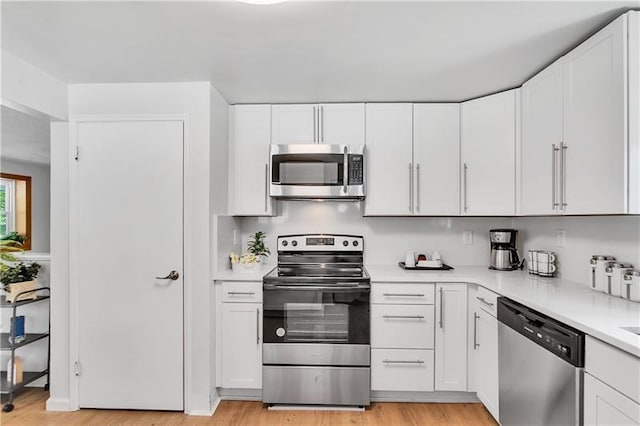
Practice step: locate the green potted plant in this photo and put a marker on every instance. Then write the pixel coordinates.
(251, 260)
(16, 276)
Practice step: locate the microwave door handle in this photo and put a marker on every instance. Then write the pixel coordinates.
(345, 170)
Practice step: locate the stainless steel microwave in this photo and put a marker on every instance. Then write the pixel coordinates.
(317, 171)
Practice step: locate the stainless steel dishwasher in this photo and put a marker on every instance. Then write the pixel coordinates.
(540, 368)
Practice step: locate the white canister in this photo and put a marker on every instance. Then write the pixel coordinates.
(614, 273)
(410, 259)
(600, 281)
(631, 281)
(532, 261)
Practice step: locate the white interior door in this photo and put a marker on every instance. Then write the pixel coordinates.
(129, 230)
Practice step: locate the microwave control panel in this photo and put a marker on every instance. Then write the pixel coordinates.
(356, 169)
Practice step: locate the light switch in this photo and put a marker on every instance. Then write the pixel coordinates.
(561, 238)
(467, 237)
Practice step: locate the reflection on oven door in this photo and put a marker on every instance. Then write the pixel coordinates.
(314, 322)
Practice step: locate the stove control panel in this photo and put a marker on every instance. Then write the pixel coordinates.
(320, 242)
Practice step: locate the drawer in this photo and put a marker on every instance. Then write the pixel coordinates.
(240, 291)
(488, 301)
(402, 326)
(616, 368)
(402, 370)
(421, 294)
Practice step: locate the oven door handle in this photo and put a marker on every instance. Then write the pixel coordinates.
(319, 287)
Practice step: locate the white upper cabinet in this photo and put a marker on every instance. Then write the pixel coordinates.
(250, 135)
(594, 161)
(541, 142)
(436, 159)
(318, 123)
(488, 155)
(389, 160)
(293, 124)
(341, 124)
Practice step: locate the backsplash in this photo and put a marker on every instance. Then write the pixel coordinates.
(386, 238)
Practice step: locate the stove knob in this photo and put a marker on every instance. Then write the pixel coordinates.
(294, 243)
(345, 243)
(355, 243)
(285, 243)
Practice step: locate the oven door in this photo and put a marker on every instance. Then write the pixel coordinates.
(317, 171)
(316, 314)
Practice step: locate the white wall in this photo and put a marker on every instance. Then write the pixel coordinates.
(26, 86)
(618, 236)
(386, 238)
(193, 99)
(40, 199)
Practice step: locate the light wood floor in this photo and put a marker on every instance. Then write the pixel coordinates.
(30, 410)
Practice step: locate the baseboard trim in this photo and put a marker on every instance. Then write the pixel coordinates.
(216, 403)
(442, 397)
(202, 413)
(59, 404)
(240, 394)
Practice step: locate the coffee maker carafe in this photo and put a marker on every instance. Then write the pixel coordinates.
(504, 255)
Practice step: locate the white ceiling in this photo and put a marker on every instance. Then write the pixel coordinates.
(24, 137)
(305, 51)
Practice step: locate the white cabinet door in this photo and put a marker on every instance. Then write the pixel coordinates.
(451, 337)
(389, 166)
(407, 370)
(488, 155)
(295, 123)
(341, 124)
(242, 345)
(541, 138)
(250, 135)
(487, 361)
(436, 157)
(604, 406)
(402, 326)
(595, 123)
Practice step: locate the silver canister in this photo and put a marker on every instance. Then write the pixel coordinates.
(631, 283)
(614, 273)
(599, 282)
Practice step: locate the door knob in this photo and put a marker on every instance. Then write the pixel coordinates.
(173, 275)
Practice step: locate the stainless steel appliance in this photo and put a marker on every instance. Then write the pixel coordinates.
(316, 323)
(540, 369)
(504, 255)
(317, 171)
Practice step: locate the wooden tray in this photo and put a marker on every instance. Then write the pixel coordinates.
(444, 267)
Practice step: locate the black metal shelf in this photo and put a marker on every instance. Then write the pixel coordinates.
(5, 304)
(29, 338)
(27, 377)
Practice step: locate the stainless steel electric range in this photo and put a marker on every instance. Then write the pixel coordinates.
(316, 323)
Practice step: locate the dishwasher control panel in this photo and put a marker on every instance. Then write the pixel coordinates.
(561, 339)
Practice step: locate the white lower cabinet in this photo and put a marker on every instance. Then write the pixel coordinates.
(402, 326)
(402, 370)
(604, 405)
(487, 372)
(451, 337)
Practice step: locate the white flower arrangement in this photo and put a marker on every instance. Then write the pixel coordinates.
(248, 262)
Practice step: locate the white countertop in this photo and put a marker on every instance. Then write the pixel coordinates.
(594, 313)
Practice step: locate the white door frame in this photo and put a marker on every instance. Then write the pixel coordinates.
(187, 182)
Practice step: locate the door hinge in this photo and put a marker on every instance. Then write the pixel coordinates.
(76, 368)
(76, 156)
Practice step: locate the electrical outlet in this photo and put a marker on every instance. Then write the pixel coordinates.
(561, 238)
(467, 237)
(235, 237)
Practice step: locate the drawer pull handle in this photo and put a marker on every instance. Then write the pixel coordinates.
(241, 293)
(403, 316)
(389, 361)
(403, 295)
(482, 299)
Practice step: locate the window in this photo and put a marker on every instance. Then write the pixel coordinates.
(15, 206)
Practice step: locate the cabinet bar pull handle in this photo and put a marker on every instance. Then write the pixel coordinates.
(563, 175)
(266, 187)
(483, 300)
(476, 345)
(418, 187)
(554, 195)
(410, 188)
(345, 170)
(403, 295)
(315, 126)
(389, 361)
(403, 316)
(258, 326)
(441, 306)
(464, 181)
(248, 293)
(321, 124)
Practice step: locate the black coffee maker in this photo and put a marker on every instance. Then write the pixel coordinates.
(504, 255)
